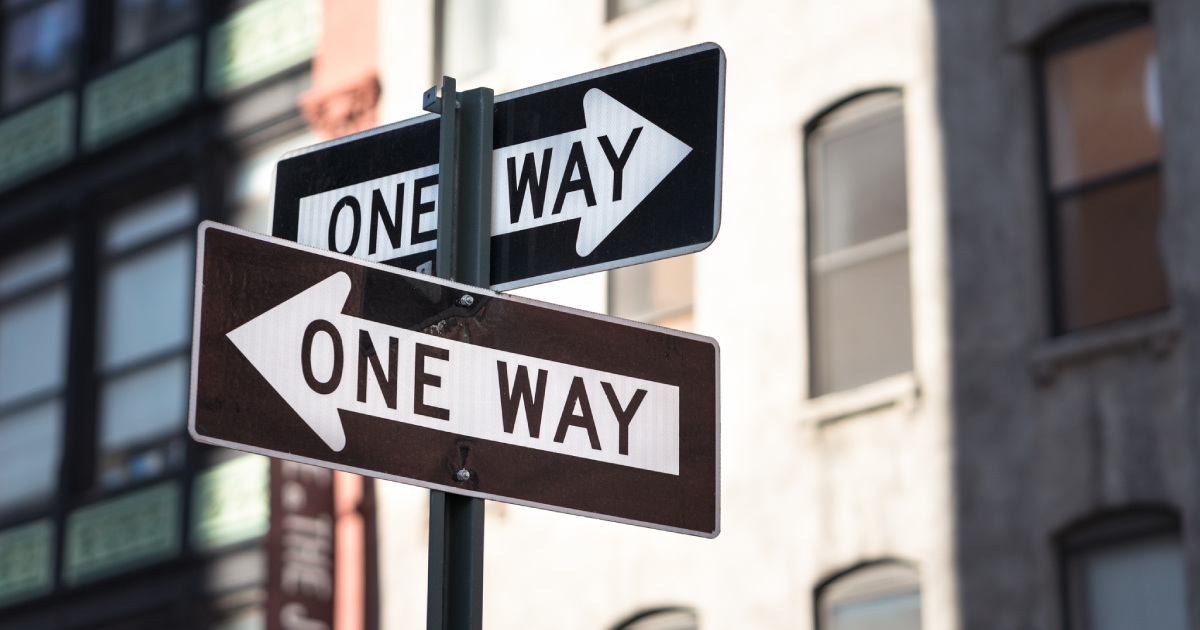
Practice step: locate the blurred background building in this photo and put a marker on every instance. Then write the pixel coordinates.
(955, 275)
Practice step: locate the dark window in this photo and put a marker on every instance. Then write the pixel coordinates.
(1126, 571)
(1103, 119)
(41, 47)
(34, 311)
(143, 23)
(880, 596)
(859, 303)
(144, 337)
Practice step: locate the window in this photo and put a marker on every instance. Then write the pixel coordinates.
(859, 303)
(41, 47)
(658, 293)
(616, 8)
(1102, 117)
(1126, 571)
(34, 310)
(143, 23)
(144, 337)
(662, 619)
(466, 37)
(880, 596)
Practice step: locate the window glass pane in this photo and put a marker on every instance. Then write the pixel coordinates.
(42, 43)
(147, 303)
(145, 405)
(141, 23)
(652, 292)
(898, 611)
(154, 217)
(470, 37)
(858, 174)
(860, 310)
(1102, 99)
(30, 454)
(33, 335)
(34, 266)
(1108, 254)
(883, 596)
(250, 194)
(1138, 585)
(862, 323)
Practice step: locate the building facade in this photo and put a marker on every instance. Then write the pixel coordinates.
(953, 293)
(953, 290)
(122, 125)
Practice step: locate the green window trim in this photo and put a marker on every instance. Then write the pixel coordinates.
(37, 139)
(140, 93)
(260, 40)
(26, 561)
(121, 534)
(231, 502)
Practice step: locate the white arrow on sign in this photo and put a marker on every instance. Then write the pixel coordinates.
(598, 174)
(321, 361)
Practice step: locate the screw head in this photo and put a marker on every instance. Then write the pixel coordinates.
(462, 475)
(466, 300)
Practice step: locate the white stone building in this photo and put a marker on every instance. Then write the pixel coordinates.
(938, 285)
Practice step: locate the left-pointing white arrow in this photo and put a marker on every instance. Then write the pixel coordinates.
(322, 362)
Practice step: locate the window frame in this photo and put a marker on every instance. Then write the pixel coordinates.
(1085, 27)
(809, 128)
(104, 262)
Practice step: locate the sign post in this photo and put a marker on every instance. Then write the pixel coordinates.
(455, 592)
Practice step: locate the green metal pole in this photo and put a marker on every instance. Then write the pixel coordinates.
(464, 254)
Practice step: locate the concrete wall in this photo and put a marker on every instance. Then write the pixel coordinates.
(1050, 431)
(809, 488)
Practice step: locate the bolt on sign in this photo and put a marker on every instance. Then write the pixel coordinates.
(319, 358)
(603, 170)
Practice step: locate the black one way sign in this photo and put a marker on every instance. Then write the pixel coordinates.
(320, 358)
(606, 169)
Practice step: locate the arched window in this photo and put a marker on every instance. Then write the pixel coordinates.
(877, 596)
(1102, 119)
(1125, 570)
(860, 320)
(673, 618)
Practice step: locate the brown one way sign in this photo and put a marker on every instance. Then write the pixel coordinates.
(321, 358)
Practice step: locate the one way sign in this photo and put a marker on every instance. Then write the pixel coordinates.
(606, 169)
(320, 358)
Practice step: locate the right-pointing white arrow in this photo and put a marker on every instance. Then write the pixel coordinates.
(597, 174)
(321, 361)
